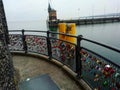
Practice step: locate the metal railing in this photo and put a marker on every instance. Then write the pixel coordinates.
(98, 71)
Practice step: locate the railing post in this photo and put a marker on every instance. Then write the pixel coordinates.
(49, 46)
(78, 57)
(24, 42)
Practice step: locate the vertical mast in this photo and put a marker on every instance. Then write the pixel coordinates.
(6, 65)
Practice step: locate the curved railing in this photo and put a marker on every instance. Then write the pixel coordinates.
(98, 70)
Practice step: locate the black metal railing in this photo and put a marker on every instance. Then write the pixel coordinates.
(100, 72)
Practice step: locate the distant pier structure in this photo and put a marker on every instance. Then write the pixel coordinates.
(53, 21)
(94, 19)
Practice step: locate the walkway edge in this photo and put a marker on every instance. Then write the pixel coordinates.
(80, 82)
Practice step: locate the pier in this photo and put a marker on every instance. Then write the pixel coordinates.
(93, 19)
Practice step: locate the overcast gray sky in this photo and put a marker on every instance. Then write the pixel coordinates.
(25, 10)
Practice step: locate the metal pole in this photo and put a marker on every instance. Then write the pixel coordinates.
(24, 41)
(78, 57)
(49, 46)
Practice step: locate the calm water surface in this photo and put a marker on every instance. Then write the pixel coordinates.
(105, 33)
(108, 34)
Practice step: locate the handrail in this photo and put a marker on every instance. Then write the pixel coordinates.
(62, 40)
(101, 57)
(43, 32)
(97, 43)
(27, 31)
(15, 30)
(106, 46)
(35, 31)
(63, 51)
(63, 34)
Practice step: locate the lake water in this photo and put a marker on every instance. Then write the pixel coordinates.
(107, 33)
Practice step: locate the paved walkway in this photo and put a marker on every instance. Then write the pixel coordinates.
(30, 67)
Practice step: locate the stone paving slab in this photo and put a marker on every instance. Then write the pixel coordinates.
(41, 82)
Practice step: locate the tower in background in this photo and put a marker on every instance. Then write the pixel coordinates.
(52, 13)
(52, 19)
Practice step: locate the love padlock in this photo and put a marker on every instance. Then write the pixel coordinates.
(105, 83)
(117, 75)
(118, 85)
